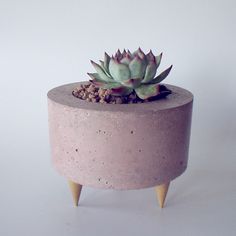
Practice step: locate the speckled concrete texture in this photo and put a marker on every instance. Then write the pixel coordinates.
(119, 146)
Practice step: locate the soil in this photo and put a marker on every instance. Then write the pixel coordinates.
(91, 93)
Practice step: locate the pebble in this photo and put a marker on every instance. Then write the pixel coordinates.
(91, 93)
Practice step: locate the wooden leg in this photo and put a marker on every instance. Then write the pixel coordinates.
(161, 191)
(76, 190)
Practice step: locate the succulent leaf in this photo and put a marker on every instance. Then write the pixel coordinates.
(141, 54)
(135, 53)
(101, 83)
(98, 83)
(162, 76)
(132, 83)
(145, 91)
(95, 76)
(137, 67)
(124, 53)
(120, 72)
(150, 72)
(112, 85)
(130, 54)
(121, 91)
(126, 60)
(107, 59)
(102, 64)
(118, 55)
(101, 72)
(150, 56)
(158, 60)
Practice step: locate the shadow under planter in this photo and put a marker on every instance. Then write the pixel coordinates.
(119, 146)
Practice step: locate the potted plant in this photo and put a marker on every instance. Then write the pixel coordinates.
(122, 129)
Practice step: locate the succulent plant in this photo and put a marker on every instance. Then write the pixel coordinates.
(126, 72)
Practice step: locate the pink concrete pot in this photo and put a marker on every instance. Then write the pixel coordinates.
(119, 146)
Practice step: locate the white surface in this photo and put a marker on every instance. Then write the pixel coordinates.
(44, 44)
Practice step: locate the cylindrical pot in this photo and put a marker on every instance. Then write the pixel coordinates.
(119, 146)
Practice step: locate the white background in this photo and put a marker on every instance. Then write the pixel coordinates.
(44, 44)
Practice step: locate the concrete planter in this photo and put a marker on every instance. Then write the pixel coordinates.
(119, 146)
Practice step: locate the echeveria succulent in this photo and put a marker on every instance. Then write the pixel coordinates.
(126, 72)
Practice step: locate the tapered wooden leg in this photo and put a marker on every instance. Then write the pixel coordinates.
(161, 191)
(76, 190)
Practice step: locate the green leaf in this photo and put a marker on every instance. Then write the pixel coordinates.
(150, 72)
(102, 64)
(119, 71)
(112, 85)
(139, 53)
(135, 53)
(101, 83)
(147, 90)
(118, 55)
(132, 83)
(95, 76)
(137, 67)
(96, 80)
(158, 60)
(121, 91)
(107, 59)
(101, 72)
(126, 60)
(162, 76)
(150, 56)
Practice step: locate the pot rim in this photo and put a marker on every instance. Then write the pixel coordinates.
(63, 95)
